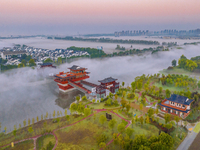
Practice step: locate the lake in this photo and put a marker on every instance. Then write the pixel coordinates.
(27, 93)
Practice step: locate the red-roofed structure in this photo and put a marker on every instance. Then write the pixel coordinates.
(69, 80)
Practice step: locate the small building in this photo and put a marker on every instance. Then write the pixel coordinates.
(8, 54)
(47, 65)
(177, 105)
(109, 84)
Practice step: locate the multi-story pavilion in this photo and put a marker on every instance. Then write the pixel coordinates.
(69, 80)
(177, 105)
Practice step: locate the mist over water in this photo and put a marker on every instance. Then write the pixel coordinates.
(27, 93)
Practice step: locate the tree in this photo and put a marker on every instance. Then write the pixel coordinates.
(59, 60)
(14, 132)
(37, 118)
(116, 103)
(32, 62)
(20, 126)
(102, 145)
(84, 98)
(93, 100)
(54, 114)
(124, 94)
(156, 111)
(138, 141)
(150, 112)
(190, 65)
(42, 117)
(139, 85)
(115, 139)
(48, 60)
(112, 123)
(77, 98)
(67, 117)
(45, 123)
(123, 84)
(177, 119)
(174, 63)
(102, 119)
(65, 112)
(80, 108)
(133, 122)
(29, 122)
(128, 106)
(166, 140)
(73, 108)
(141, 120)
(129, 131)
(182, 61)
(167, 118)
(141, 106)
(123, 103)
(147, 120)
(24, 122)
(116, 96)
(87, 111)
(23, 62)
(167, 92)
(121, 127)
(30, 130)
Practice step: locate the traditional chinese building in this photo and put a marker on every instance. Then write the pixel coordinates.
(46, 65)
(177, 105)
(69, 80)
(109, 84)
(76, 79)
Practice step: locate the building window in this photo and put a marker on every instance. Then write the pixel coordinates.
(163, 108)
(171, 110)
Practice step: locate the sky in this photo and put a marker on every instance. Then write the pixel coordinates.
(66, 17)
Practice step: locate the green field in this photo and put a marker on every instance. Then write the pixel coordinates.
(26, 145)
(83, 134)
(197, 128)
(43, 141)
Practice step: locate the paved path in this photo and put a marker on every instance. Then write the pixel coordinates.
(187, 141)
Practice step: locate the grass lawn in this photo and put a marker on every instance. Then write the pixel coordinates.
(44, 140)
(83, 134)
(146, 129)
(38, 128)
(150, 99)
(26, 145)
(171, 88)
(124, 115)
(101, 106)
(197, 128)
(176, 70)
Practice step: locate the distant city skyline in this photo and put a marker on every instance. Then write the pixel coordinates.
(67, 17)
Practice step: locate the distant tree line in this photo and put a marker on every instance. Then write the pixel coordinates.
(108, 40)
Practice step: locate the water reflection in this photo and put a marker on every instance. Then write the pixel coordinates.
(65, 99)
